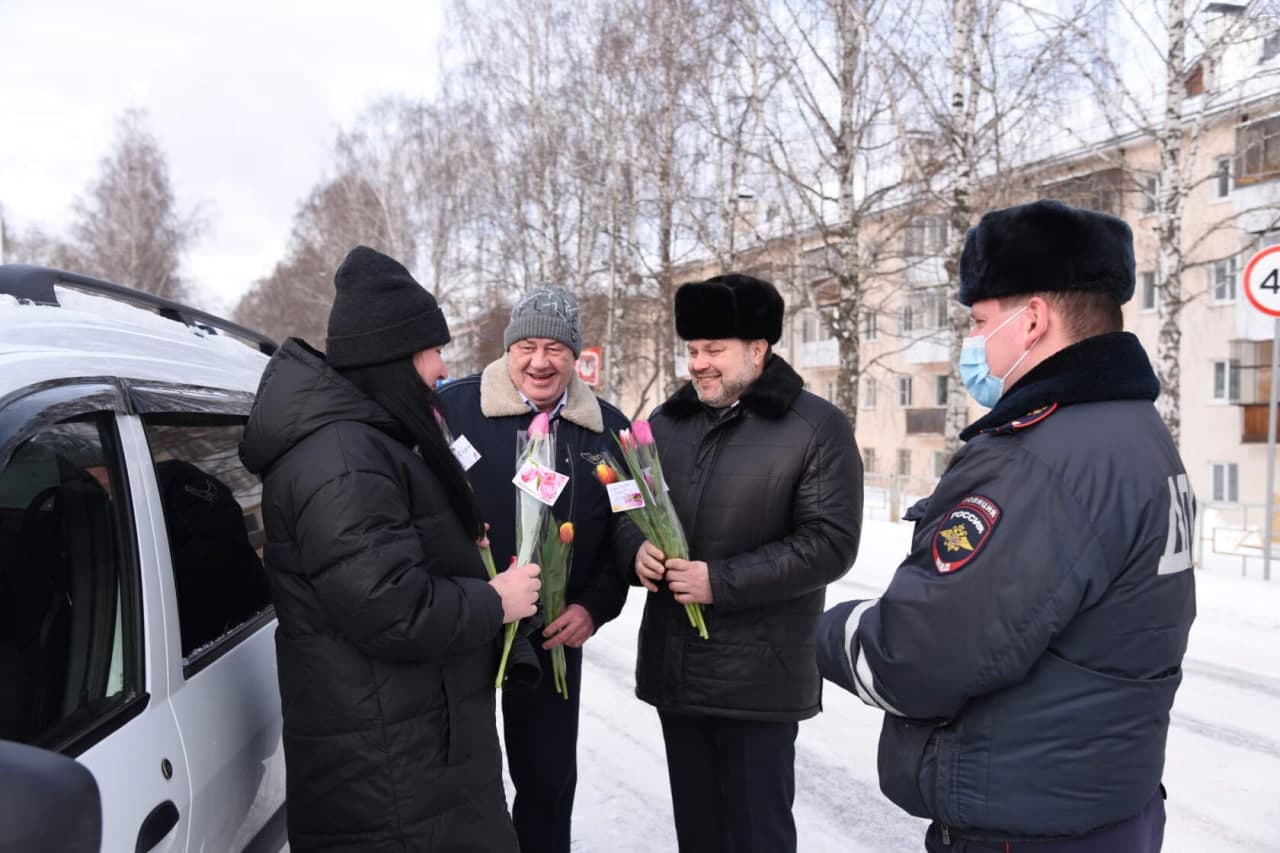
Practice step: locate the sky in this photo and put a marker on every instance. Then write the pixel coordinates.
(245, 99)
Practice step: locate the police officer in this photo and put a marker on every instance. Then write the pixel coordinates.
(1028, 649)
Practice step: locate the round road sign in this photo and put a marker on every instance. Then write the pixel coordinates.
(1262, 281)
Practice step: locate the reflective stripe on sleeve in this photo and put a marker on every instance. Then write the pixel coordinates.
(863, 679)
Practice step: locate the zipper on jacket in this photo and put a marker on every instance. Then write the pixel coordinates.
(937, 765)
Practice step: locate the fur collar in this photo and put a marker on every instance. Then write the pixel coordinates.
(770, 396)
(1105, 367)
(499, 398)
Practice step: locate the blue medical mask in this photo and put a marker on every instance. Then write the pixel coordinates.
(976, 374)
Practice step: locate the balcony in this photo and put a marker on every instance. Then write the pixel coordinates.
(926, 421)
(820, 353)
(926, 272)
(927, 347)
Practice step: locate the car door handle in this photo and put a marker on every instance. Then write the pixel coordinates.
(163, 818)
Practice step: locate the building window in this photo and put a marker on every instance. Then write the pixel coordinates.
(1225, 482)
(940, 461)
(808, 328)
(1224, 280)
(1095, 191)
(1222, 178)
(1257, 151)
(904, 391)
(1270, 47)
(869, 326)
(869, 394)
(941, 302)
(1148, 291)
(926, 235)
(831, 392)
(904, 463)
(1150, 194)
(868, 460)
(941, 383)
(1226, 381)
(1193, 82)
(908, 318)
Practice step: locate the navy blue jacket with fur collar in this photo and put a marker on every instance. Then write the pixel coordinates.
(487, 409)
(1027, 651)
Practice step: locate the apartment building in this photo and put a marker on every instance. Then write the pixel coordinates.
(1232, 210)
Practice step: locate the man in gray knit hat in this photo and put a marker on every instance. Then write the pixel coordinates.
(485, 411)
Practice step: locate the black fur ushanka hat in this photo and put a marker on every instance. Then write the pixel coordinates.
(1046, 246)
(729, 306)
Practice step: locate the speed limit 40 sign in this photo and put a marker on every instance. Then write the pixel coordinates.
(1262, 281)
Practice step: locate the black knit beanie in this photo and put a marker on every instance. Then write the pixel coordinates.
(380, 312)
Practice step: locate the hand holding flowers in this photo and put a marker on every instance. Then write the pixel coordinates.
(689, 581)
(668, 549)
(556, 545)
(534, 456)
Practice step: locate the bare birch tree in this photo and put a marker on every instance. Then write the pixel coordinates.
(1173, 113)
(128, 227)
(983, 93)
(827, 150)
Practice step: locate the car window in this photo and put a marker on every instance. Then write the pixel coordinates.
(69, 630)
(212, 513)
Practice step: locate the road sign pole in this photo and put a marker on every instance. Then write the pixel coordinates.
(1262, 289)
(1271, 450)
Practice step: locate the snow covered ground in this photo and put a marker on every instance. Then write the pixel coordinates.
(1222, 772)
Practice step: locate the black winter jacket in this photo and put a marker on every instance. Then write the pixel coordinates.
(1028, 650)
(385, 644)
(770, 496)
(487, 410)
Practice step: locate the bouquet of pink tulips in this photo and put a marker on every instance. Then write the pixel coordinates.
(537, 485)
(657, 519)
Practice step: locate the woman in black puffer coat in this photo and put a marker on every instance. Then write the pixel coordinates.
(386, 645)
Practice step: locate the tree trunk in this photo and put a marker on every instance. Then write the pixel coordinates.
(1173, 194)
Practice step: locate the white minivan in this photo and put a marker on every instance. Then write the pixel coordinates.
(135, 619)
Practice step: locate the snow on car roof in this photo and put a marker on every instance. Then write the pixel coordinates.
(93, 335)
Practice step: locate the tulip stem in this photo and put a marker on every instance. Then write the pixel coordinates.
(506, 651)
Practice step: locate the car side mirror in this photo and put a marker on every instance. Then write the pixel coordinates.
(48, 802)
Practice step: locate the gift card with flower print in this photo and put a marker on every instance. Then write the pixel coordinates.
(464, 452)
(624, 495)
(542, 483)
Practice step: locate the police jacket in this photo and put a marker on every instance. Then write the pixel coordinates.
(487, 410)
(769, 493)
(387, 623)
(1028, 650)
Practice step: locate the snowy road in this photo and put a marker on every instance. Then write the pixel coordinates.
(1222, 772)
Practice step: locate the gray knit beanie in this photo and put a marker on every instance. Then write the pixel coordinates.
(547, 311)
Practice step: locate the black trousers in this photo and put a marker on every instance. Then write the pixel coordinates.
(540, 731)
(1142, 833)
(732, 783)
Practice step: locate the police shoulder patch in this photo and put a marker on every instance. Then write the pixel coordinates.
(1030, 419)
(963, 531)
